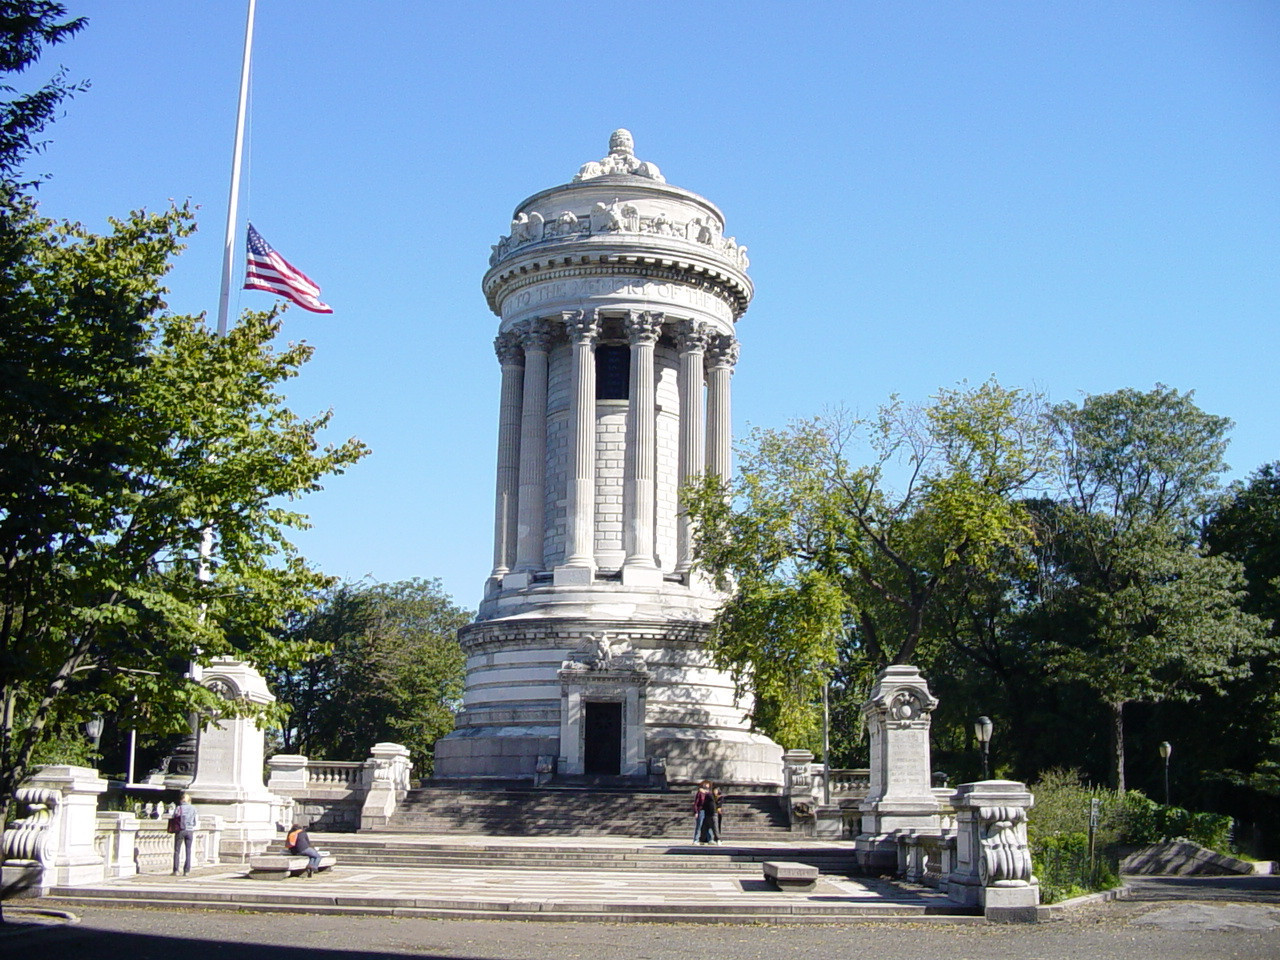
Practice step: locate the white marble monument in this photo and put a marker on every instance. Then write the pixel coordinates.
(230, 761)
(617, 296)
(900, 797)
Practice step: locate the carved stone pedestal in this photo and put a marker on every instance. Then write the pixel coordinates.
(228, 781)
(900, 798)
(993, 862)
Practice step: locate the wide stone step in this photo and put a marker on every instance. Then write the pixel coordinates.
(576, 812)
(744, 858)
(551, 910)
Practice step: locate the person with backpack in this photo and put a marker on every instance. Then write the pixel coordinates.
(298, 842)
(183, 825)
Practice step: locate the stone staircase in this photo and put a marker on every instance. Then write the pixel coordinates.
(561, 812)
(388, 851)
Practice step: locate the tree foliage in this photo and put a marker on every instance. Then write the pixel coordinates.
(1134, 608)
(129, 435)
(1246, 528)
(822, 554)
(26, 28)
(393, 672)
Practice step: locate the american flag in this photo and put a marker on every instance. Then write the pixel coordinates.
(267, 270)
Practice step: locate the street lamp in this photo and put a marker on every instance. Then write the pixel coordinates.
(982, 730)
(1166, 751)
(94, 729)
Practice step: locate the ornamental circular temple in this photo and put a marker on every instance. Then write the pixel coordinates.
(617, 296)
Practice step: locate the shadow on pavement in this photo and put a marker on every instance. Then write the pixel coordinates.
(1244, 889)
(85, 942)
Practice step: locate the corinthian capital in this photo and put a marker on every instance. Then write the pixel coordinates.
(692, 336)
(722, 351)
(643, 327)
(581, 325)
(508, 348)
(534, 334)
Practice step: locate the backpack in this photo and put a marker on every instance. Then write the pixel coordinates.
(291, 839)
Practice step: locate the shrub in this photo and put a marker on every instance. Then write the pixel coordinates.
(1146, 821)
(1061, 863)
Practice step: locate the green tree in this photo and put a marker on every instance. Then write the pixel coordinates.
(1246, 528)
(394, 672)
(128, 436)
(828, 560)
(1132, 607)
(26, 28)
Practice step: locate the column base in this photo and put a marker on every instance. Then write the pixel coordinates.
(637, 576)
(573, 575)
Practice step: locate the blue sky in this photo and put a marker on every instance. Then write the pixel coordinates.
(1072, 197)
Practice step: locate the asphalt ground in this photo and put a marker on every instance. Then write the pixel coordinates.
(1164, 918)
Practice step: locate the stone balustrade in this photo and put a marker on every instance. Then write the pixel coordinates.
(926, 858)
(65, 841)
(342, 795)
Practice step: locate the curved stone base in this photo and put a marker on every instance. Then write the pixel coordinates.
(532, 680)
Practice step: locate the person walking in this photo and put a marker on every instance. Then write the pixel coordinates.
(299, 842)
(704, 814)
(186, 819)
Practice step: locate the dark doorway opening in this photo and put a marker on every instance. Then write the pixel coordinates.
(602, 752)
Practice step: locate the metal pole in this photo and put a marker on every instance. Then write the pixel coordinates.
(133, 749)
(228, 247)
(826, 745)
(1166, 781)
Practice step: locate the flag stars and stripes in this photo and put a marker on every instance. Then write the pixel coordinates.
(266, 270)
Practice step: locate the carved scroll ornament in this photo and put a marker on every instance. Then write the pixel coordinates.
(1005, 856)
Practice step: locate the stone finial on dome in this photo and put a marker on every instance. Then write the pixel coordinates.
(621, 160)
(621, 142)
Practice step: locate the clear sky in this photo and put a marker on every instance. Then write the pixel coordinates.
(1073, 197)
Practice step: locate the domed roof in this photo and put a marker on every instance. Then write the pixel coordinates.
(617, 217)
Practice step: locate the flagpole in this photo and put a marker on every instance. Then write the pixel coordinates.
(204, 573)
(228, 247)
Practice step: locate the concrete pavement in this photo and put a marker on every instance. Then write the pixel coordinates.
(706, 889)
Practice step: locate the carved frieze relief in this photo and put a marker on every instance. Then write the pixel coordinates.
(613, 219)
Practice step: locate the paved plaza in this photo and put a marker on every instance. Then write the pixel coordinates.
(1240, 919)
(684, 890)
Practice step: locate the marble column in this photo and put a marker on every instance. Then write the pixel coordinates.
(535, 335)
(511, 356)
(640, 567)
(580, 565)
(692, 338)
(722, 354)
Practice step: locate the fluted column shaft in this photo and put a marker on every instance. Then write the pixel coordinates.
(722, 354)
(511, 356)
(583, 329)
(692, 338)
(643, 330)
(535, 335)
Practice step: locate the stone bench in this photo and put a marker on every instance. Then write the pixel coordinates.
(786, 875)
(278, 866)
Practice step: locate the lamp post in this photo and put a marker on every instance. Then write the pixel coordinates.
(982, 728)
(1166, 751)
(93, 728)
